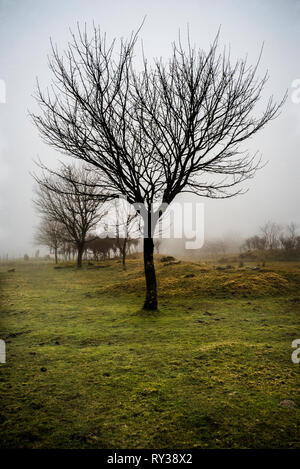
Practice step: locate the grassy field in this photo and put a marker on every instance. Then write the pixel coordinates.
(86, 368)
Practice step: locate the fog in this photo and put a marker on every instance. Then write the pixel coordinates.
(25, 31)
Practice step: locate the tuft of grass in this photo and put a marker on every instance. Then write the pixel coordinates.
(87, 368)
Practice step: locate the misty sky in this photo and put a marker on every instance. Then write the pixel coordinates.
(25, 29)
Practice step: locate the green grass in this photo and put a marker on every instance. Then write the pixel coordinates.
(208, 370)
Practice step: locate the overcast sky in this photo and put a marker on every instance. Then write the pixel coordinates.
(25, 29)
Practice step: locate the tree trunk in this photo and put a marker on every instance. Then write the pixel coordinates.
(151, 292)
(55, 254)
(79, 255)
(124, 254)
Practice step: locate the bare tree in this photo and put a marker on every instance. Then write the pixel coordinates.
(271, 234)
(126, 227)
(289, 239)
(50, 233)
(292, 236)
(72, 200)
(157, 244)
(152, 134)
(125, 242)
(256, 242)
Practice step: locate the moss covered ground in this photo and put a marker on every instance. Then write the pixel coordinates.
(87, 368)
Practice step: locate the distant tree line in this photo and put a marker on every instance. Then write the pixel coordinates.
(274, 241)
(71, 209)
(95, 247)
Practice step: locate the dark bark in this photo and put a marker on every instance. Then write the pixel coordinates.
(55, 254)
(151, 291)
(79, 255)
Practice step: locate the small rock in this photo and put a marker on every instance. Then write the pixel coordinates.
(171, 263)
(287, 403)
(167, 259)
